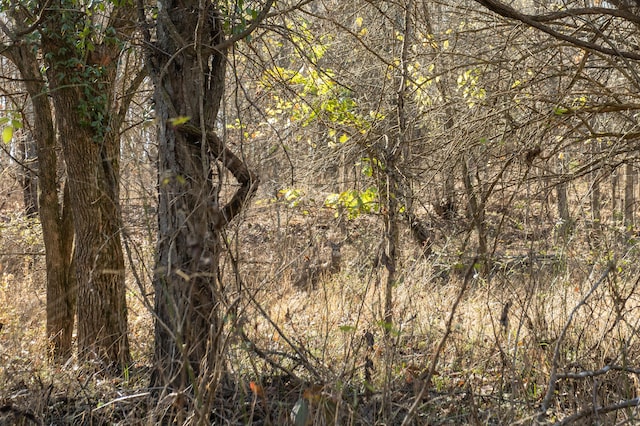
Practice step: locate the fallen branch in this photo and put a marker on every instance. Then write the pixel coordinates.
(600, 410)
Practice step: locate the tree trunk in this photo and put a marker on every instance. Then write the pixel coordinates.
(189, 86)
(615, 181)
(93, 185)
(476, 210)
(186, 289)
(595, 188)
(81, 87)
(55, 219)
(629, 196)
(565, 225)
(29, 175)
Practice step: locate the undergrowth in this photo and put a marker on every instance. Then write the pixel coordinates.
(325, 356)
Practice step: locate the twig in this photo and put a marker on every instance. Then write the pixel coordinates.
(593, 373)
(122, 398)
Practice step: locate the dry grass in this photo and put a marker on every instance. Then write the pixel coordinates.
(326, 350)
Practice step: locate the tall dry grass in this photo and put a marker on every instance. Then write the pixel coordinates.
(327, 350)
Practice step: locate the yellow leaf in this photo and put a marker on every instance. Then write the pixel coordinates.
(344, 138)
(176, 121)
(7, 134)
(359, 21)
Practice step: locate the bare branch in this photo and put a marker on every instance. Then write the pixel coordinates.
(247, 179)
(601, 410)
(536, 22)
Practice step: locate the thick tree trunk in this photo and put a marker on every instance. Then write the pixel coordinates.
(186, 288)
(81, 71)
(81, 87)
(57, 227)
(189, 84)
(92, 180)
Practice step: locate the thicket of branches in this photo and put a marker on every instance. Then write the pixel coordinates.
(472, 166)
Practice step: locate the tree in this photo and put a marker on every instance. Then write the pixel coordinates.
(80, 49)
(55, 217)
(188, 70)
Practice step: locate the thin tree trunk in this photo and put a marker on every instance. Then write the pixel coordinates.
(563, 202)
(448, 203)
(615, 181)
(29, 176)
(595, 203)
(476, 211)
(396, 150)
(391, 232)
(55, 218)
(595, 190)
(629, 196)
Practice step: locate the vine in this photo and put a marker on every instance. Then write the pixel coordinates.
(81, 62)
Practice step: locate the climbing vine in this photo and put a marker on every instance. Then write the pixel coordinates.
(81, 62)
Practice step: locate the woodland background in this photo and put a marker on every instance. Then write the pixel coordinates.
(474, 176)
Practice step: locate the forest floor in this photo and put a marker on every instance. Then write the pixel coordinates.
(324, 355)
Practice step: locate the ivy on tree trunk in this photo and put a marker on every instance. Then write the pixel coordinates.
(80, 83)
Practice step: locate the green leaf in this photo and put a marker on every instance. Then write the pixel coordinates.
(7, 134)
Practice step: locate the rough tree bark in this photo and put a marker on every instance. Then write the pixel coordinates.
(188, 69)
(55, 218)
(81, 87)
